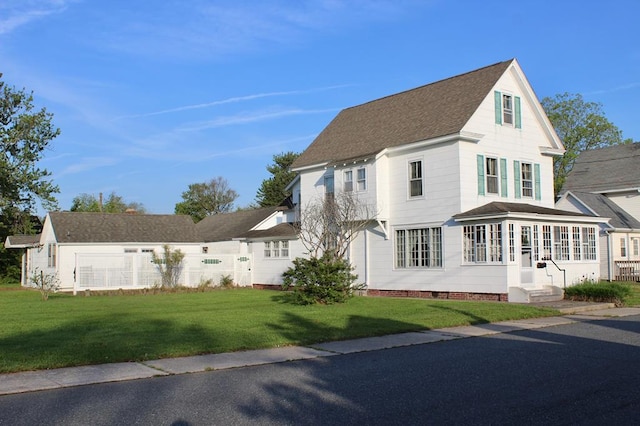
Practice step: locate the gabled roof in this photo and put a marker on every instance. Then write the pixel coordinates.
(604, 207)
(498, 208)
(22, 241)
(437, 109)
(281, 230)
(227, 226)
(605, 169)
(77, 227)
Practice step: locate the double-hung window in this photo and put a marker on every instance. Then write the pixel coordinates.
(492, 175)
(527, 180)
(276, 249)
(362, 179)
(51, 255)
(507, 109)
(348, 181)
(328, 187)
(415, 179)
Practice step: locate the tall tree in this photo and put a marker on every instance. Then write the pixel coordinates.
(581, 125)
(112, 204)
(25, 134)
(207, 198)
(272, 191)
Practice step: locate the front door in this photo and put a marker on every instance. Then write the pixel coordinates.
(526, 257)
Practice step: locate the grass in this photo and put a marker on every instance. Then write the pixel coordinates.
(634, 298)
(68, 331)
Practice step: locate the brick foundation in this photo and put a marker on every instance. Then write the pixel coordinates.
(450, 295)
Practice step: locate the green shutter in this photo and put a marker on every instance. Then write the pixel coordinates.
(518, 113)
(536, 177)
(504, 191)
(498, 106)
(516, 179)
(480, 159)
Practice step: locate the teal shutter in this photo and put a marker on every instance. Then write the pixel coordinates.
(498, 106)
(517, 111)
(480, 159)
(504, 191)
(516, 180)
(536, 177)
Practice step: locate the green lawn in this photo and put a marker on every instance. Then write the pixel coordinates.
(634, 299)
(67, 330)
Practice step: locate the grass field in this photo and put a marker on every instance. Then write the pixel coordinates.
(67, 331)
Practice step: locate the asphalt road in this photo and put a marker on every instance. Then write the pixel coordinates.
(587, 373)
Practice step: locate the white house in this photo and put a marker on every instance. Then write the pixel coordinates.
(104, 250)
(605, 182)
(460, 172)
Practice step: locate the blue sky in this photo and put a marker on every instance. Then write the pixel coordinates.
(152, 96)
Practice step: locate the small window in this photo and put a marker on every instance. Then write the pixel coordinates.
(130, 250)
(527, 180)
(328, 187)
(636, 246)
(348, 181)
(623, 247)
(205, 250)
(415, 178)
(507, 109)
(362, 179)
(146, 250)
(275, 249)
(267, 249)
(51, 255)
(492, 175)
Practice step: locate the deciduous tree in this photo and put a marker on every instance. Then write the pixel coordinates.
(581, 125)
(112, 204)
(207, 198)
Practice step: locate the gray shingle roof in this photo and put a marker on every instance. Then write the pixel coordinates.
(605, 169)
(226, 226)
(21, 241)
(498, 207)
(604, 207)
(76, 227)
(282, 230)
(437, 109)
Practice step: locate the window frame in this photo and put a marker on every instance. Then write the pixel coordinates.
(418, 248)
(51, 255)
(361, 182)
(411, 178)
(276, 249)
(508, 111)
(526, 184)
(347, 183)
(494, 177)
(482, 244)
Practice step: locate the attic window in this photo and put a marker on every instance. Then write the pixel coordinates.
(507, 109)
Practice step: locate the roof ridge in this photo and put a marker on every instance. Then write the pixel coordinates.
(429, 84)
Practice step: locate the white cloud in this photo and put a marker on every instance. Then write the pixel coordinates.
(229, 101)
(16, 13)
(250, 117)
(86, 163)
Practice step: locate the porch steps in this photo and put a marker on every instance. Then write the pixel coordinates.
(546, 294)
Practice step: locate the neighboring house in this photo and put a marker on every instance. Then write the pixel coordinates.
(460, 173)
(24, 242)
(265, 234)
(605, 182)
(104, 250)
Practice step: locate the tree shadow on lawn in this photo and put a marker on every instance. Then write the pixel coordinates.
(302, 330)
(126, 338)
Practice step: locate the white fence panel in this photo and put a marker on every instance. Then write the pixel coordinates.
(136, 270)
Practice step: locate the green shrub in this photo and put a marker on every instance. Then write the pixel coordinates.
(599, 292)
(325, 280)
(226, 281)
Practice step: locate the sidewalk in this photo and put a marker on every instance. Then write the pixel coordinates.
(76, 376)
